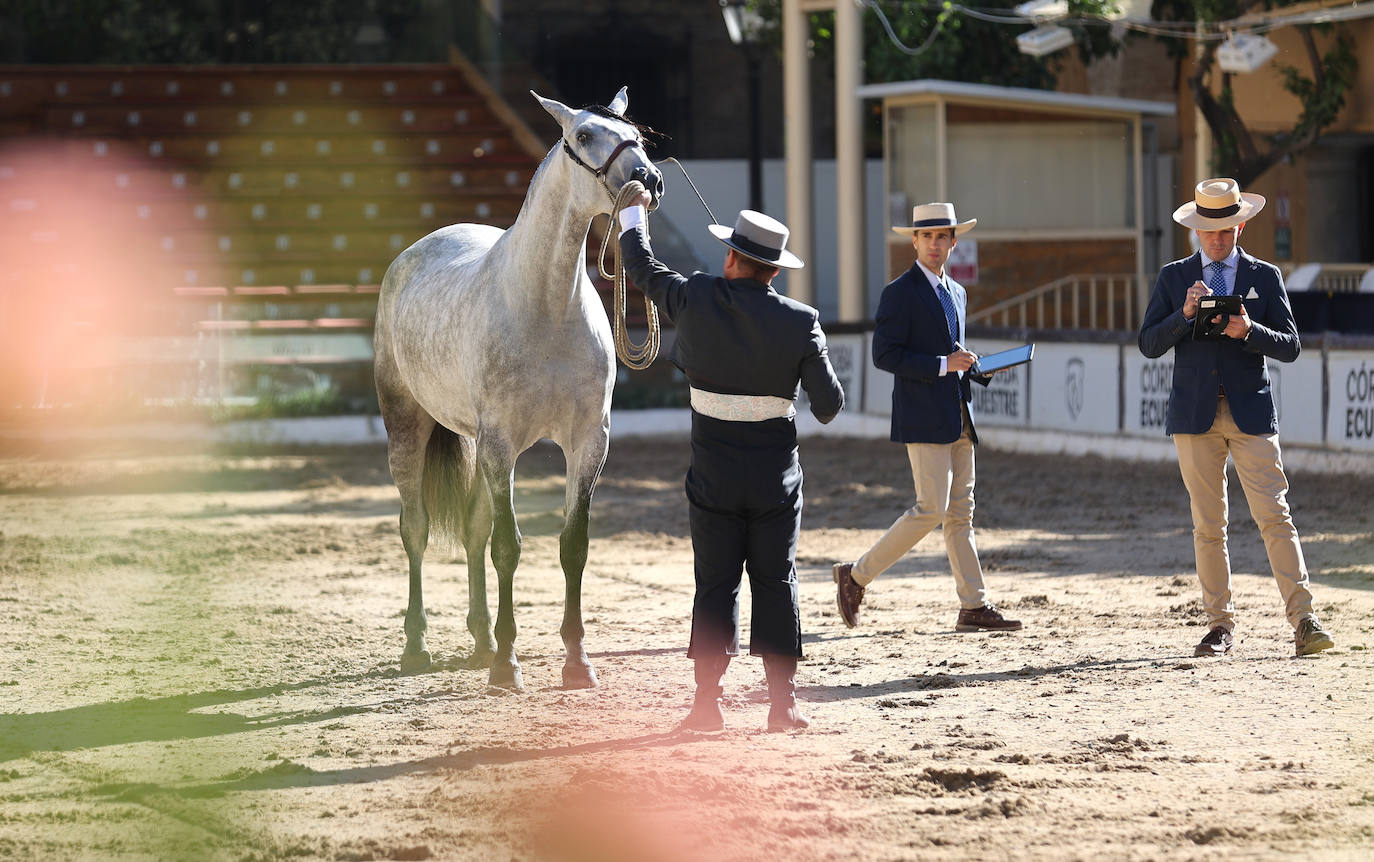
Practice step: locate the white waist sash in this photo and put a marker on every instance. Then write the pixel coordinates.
(741, 408)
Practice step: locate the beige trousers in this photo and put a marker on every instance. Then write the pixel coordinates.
(943, 474)
(1259, 464)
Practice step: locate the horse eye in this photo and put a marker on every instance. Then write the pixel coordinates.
(582, 137)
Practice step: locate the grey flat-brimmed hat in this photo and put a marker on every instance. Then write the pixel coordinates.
(925, 216)
(1217, 204)
(760, 237)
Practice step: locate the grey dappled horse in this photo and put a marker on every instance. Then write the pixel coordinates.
(486, 342)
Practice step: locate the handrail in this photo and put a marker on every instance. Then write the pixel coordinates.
(1079, 301)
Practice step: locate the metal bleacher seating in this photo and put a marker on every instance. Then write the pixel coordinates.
(271, 197)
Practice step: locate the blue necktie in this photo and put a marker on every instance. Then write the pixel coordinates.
(951, 315)
(1216, 282)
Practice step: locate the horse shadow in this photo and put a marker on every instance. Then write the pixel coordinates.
(290, 776)
(160, 719)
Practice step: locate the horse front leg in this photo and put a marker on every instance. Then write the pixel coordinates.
(584, 468)
(477, 531)
(498, 469)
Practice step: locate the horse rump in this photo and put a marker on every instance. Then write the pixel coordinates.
(452, 485)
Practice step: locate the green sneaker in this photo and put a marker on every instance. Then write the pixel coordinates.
(1311, 638)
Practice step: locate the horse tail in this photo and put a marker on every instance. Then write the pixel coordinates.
(450, 483)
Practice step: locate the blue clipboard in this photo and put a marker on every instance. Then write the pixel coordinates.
(1004, 359)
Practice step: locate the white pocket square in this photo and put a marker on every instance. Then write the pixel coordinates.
(1252, 294)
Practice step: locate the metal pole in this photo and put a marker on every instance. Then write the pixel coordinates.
(849, 156)
(755, 135)
(796, 87)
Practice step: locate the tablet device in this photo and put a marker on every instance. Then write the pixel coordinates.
(1209, 307)
(1005, 359)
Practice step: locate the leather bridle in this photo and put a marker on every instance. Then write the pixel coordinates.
(600, 173)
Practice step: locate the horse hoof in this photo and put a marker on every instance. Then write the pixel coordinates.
(579, 676)
(507, 677)
(415, 662)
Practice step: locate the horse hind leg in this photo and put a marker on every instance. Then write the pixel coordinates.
(477, 523)
(584, 468)
(456, 501)
(408, 434)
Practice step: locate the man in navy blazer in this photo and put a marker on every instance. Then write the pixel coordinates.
(1221, 403)
(918, 336)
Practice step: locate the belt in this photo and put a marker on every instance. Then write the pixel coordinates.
(741, 408)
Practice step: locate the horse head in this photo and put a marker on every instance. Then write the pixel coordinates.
(608, 146)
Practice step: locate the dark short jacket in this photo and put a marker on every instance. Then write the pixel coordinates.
(737, 337)
(1202, 368)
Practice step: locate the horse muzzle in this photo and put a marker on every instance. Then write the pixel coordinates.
(653, 183)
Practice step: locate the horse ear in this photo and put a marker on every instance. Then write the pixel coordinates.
(559, 111)
(620, 102)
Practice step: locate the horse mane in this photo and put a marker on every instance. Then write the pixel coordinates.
(648, 133)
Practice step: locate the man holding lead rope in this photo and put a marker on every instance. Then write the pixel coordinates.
(744, 349)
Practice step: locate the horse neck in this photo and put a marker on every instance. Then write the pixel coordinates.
(547, 241)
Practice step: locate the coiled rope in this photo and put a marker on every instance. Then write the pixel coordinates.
(635, 356)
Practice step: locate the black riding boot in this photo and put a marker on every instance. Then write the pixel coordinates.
(706, 714)
(783, 711)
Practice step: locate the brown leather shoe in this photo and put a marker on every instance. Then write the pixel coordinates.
(848, 594)
(1217, 642)
(984, 619)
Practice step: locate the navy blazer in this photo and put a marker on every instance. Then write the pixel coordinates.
(909, 337)
(737, 337)
(1201, 368)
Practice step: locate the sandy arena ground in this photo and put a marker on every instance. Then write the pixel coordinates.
(199, 660)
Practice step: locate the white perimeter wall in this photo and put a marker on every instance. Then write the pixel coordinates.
(1111, 389)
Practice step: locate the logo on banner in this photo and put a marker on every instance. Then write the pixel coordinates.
(842, 358)
(1075, 386)
(1359, 397)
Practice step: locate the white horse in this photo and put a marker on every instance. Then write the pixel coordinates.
(486, 342)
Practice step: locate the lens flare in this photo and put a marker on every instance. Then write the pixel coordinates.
(90, 237)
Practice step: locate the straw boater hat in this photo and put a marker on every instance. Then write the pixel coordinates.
(760, 237)
(935, 215)
(1218, 204)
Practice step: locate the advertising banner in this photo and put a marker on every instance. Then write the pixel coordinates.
(848, 356)
(1074, 387)
(877, 384)
(1350, 416)
(1147, 383)
(1297, 390)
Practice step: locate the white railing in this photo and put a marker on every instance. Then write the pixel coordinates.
(1101, 301)
(1326, 277)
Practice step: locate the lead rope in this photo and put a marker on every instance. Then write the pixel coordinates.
(636, 357)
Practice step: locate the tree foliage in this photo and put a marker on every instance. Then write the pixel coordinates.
(968, 49)
(1320, 88)
(965, 48)
(199, 31)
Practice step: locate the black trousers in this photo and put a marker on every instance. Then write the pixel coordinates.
(744, 493)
